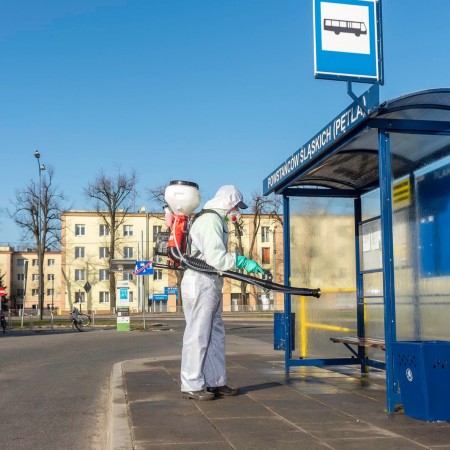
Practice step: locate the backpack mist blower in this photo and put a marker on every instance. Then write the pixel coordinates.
(182, 198)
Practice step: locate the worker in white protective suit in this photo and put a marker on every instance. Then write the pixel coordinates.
(203, 370)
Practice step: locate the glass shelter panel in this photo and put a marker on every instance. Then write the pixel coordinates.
(371, 253)
(322, 239)
(421, 241)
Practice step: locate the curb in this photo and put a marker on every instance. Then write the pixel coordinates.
(119, 430)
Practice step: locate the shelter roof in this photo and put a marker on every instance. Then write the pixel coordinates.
(419, 128)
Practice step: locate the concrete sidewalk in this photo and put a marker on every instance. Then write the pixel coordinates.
(313, 408)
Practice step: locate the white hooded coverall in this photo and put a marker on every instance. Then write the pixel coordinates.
(203, 355)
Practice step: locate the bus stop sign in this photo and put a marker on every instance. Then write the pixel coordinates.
(347, 40)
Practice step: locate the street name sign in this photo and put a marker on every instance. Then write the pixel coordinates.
(329, 135)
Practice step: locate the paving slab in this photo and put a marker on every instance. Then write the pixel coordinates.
(312, 408)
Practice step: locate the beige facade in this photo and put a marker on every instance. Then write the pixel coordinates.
(20, 276)
(81, 271)
(85, 260)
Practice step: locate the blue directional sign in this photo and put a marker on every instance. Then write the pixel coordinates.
(347, 40)
(143, 268)
(171, 290)
(159, 297)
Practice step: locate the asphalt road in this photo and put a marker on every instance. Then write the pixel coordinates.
(55, 385)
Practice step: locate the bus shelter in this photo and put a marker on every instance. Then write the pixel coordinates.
(367, 219)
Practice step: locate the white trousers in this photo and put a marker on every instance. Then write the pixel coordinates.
(203, 356)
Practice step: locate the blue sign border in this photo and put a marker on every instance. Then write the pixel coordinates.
(325, 138)
(350, 66)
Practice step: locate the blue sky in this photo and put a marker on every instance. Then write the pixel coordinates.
(212, 91)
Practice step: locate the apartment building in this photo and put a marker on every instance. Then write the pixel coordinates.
(86, 271)
(21, 278)
(81, 272)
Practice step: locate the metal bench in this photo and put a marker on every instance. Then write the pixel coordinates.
(359, 353)
(359, 342)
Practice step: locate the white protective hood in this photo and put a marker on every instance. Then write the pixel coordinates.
(226, 198)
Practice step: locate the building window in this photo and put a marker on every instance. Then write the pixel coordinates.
(265, 255)
(20, 277)
(264, 234)
(79, 252)
(35, 277)
(130, 296)
(128, 252)
(157, 275)
(103, 275)
(128, 230)
(50, 292)
(127, 276)
(51, 262)
(103, 231)
(103, 297)
(34, 292)
(156, 230)
(79, 274)
(80, 230)
(79, 297)
(34, 262)
(20, 262)
(20, 292)
(50, 276)
(104, 252)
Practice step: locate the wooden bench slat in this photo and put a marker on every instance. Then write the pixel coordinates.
(361, 342)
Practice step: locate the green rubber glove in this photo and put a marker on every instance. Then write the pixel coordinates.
(248, 264)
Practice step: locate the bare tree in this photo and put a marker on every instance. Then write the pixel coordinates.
(156, 196)
(38, 214)
(113, 198)
(260, 207)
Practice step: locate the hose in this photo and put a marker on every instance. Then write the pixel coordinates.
(200, 265)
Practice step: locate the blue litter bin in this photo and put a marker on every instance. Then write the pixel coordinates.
(279, 331)
(422, 369)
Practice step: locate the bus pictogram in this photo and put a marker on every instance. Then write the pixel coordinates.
(345, 26)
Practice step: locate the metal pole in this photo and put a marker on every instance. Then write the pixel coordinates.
(53, 290)
(287, 278)
(141, 281)
(147, 257)
(41, 167)
(25, 279)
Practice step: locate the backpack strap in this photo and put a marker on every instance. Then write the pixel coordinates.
(191, 222)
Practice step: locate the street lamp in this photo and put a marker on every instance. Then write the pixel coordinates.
(37, 155)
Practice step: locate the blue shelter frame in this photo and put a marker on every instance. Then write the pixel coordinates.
(351, 164)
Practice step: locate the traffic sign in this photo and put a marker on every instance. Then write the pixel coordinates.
(159, 297)
(347, 40)
(87, 287)
(2, 291)
(143, 268)
(171, 290)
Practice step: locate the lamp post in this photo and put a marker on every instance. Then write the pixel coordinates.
(41, 167)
